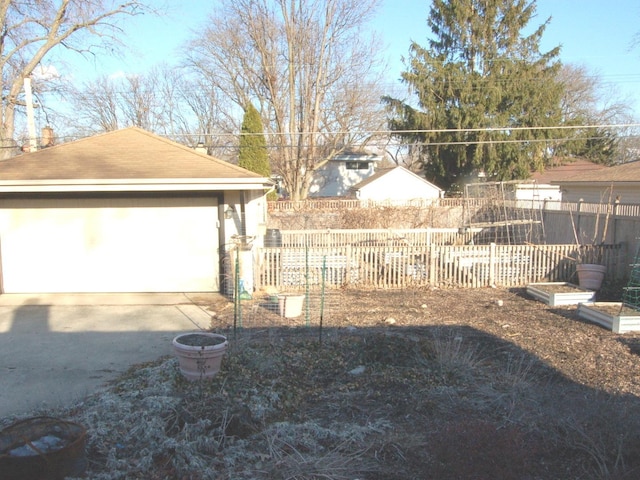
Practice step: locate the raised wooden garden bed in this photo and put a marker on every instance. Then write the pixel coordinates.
(616, 316)
(560, 293)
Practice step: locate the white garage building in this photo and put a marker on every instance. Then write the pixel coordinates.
(125, 211)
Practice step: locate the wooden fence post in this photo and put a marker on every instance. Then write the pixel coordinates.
(492, 264)
(578, 210)
(348, 253)
(433, 256)
(616, 204)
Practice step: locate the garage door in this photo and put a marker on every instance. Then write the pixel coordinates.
(109, 245)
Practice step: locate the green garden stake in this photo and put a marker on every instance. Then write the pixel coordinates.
(324, 270)
(306, 275)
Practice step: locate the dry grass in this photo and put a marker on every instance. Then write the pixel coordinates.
(448, 391)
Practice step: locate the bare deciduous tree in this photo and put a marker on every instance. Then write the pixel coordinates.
(95, 106)
(587, 100)
(31, 29)
(306, 67)
(207, 115)
(141, 103)
(106, 104)
(586, 97)
(164, 101)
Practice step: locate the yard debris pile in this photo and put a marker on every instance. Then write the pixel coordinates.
(456, 387)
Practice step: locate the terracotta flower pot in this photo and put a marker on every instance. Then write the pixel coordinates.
(200, 354)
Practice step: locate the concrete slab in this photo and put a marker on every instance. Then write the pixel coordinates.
(16, 299)
(56, 350)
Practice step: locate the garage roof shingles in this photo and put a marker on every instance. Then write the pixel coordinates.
(127, 154)
(568, 170)
(623, 173)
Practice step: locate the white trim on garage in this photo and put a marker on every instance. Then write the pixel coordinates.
(138, 185)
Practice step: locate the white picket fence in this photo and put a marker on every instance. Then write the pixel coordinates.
(401, 265)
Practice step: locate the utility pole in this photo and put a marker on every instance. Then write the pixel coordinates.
(31, 123)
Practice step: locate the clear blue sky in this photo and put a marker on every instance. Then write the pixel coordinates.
(594, 33)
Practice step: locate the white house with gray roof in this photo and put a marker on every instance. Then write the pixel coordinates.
(341, 172)
(396, 184)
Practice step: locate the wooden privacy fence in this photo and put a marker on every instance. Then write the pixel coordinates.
(350, 203)
(402, 266)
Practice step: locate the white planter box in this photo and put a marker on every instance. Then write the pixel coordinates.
(290, 304)
(617, 317)
(560, 293)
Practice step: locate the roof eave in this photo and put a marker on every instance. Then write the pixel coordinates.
(605, 183)
(140, 185)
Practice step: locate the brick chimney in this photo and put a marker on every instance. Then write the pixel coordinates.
(47, 137)
(201, 148)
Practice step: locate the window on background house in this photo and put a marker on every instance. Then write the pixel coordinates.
(357, 165)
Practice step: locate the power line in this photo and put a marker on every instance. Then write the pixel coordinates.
(418, 131)
(495, 142)
(441, 143)
(392, 133)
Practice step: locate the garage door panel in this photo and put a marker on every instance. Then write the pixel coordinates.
(113, 245)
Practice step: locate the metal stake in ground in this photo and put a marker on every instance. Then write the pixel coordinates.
(237, 310)
(324, 270)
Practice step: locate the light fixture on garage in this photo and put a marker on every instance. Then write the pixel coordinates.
(228, 213)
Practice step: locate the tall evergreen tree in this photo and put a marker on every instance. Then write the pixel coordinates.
(253, 146)
(483, 90)
(253, 153)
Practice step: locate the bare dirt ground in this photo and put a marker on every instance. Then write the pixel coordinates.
(427, 384)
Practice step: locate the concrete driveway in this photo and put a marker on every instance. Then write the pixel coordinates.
(56, 349)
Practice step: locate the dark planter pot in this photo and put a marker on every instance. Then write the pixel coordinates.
(42, 448)
(590, 275)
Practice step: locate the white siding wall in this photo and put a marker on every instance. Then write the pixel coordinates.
(398, 184)
(601, 194)
(335, 179)
(538, 193)
(255, 214)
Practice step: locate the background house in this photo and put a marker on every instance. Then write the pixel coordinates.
(125, 211)
(342, 172)
(543, 185)
(396, 184)
(534, 194)
(603, 185)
